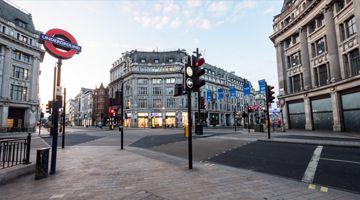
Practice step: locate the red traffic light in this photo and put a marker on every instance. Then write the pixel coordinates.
(200, 62)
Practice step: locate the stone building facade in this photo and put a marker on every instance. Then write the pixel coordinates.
(20, 57)
(149, 79)
(100, 105)
(317, 49)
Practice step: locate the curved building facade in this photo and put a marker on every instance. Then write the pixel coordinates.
(149, 102)
(318, 64)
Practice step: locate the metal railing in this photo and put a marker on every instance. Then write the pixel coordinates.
(14, 151)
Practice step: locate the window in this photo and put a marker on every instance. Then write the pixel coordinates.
(296, 38)
(350, 26)
(143, 60)
(352, 62)
(321, 75)
(169, 91)
(312, 26)
(320, 21)
(156, 81)
(296, 84)
(157, 91)
(340, 4)
(171, 60)
(169, 80)
(157, 103)
(142, 81)
(18, 93)
(142, 90)
(318, 47)
(294, 59)
(143, 103)
(156, 61)
(20, 56)
(170, 103)
(20, 23)
(20, 73)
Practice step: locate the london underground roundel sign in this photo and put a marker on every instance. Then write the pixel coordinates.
(60, 43)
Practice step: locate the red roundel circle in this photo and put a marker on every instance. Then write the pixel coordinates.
(50, 47)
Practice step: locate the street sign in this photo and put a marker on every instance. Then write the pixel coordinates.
(59, 43)
(232, 91)
(209, 95)
(246, 89)
(262, 86)
(221, 94)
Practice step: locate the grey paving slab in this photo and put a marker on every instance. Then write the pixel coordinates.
(106, 172)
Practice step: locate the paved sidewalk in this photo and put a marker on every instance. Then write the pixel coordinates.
(103, 172)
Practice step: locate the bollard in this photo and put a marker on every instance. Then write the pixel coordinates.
(42, 163)
(28, 145)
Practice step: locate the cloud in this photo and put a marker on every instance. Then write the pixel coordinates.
(194, 3)
(247, 4)
(172, 14)
(204, 24)
(218, 7)
(171, 7)
(268, 11)
(176, 23)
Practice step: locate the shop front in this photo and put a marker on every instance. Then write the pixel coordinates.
(351, 111)
(143, 120)
(214, 119)
(156, 120)
(127, 121)
(170, 120)
(296, 115)
(322, 114)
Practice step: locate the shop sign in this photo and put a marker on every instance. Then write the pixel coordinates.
(143, 115)
(170, 114)
(156, 114)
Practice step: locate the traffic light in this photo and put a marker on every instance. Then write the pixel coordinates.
(203, 103)
(270, 94)
(193, 72)
(49, 105)
(178, 90)
(198, 72)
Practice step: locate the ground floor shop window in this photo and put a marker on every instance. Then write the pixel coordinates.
(322, 115)
(297, 115)
(351, 111)
(143, 122)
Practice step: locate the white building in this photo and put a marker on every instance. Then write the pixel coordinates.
(20, 57)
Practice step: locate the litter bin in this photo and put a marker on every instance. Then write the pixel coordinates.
(42, 163)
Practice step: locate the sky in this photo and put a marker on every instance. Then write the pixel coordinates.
(232, 35)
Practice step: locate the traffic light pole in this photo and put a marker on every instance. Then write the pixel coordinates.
(63, 120)
(267, 111)
(122, 116)
(190, 129)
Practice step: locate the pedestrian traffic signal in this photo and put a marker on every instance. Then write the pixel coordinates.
(203, 103)
(270, 94)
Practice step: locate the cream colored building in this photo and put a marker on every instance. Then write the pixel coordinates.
(317, 49)
(20, 57)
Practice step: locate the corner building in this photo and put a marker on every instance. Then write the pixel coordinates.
(149, 78)
(20, 57)
(318, 64)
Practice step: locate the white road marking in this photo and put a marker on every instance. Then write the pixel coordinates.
(338, 160)
(57, 196)
(311, 169)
